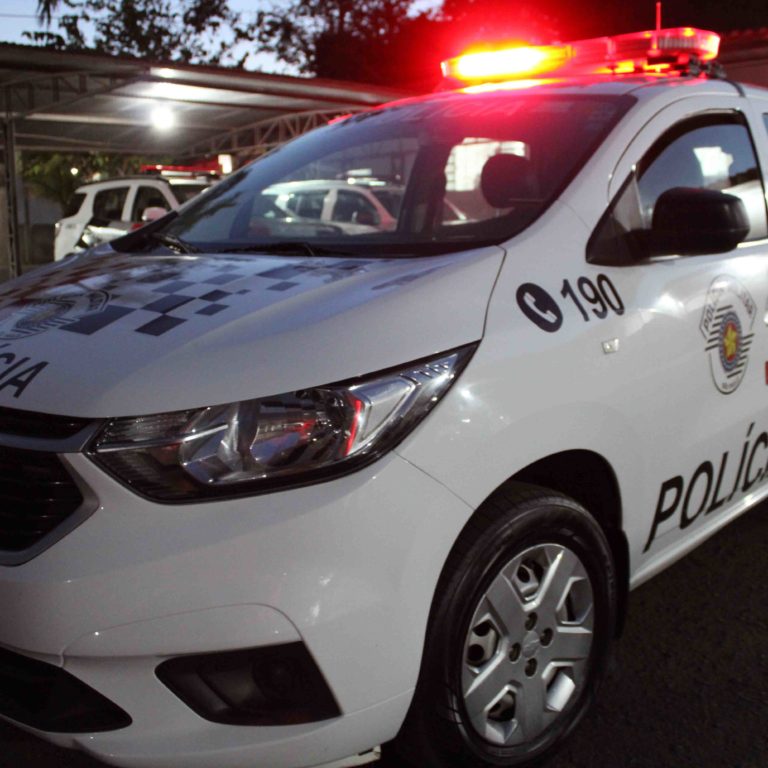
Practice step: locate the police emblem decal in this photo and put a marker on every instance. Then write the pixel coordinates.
(55, 308)
(726, 324)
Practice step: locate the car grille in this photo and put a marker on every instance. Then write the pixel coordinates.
(39, 425)
(36, 495)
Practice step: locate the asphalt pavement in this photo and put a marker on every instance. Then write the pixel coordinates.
(688, 686)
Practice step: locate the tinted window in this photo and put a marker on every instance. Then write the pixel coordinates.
(308, 205)
(718, 157)
(714, 153)
(184, 192)
(148, 197)
(73, 206)
(108, 204)
(352, 207)
(391, 200)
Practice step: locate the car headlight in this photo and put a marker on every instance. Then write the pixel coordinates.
(260, 445)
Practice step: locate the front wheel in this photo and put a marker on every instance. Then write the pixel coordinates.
(519, 633)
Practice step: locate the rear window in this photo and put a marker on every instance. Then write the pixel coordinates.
(184, 192)
(73, 206)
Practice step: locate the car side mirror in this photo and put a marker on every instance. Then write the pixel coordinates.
(693, 222)
(153, 213)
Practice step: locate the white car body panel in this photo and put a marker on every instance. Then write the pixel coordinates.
(320, 307)
(350, 571)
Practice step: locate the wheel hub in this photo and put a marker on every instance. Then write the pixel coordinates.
(531, 644)
(528, 644)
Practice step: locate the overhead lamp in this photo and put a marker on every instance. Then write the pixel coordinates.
(163, 118)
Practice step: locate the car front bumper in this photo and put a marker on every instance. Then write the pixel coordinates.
(346, 567)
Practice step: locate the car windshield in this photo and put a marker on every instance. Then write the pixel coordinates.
(441, 174)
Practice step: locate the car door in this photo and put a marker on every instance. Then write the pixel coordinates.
(698, 398)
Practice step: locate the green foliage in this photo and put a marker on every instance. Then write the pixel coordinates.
(45, 9)
(372, 41)
(364, 41)
(186, 31)
(313, 34)
(50, 174)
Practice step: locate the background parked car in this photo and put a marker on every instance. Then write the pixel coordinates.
(356, 207)
(103, 210)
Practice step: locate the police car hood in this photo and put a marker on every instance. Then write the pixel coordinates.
(126, 335)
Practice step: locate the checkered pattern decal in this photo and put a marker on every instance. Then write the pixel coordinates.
(152, 297)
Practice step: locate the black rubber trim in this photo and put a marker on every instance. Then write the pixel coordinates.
(269, 685)
(45, 697)
(40, 425)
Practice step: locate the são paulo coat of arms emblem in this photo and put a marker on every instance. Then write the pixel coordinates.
(726, 324)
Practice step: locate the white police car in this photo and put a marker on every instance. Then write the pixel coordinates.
(274, 500)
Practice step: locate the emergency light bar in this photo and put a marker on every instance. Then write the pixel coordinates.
(653, 51)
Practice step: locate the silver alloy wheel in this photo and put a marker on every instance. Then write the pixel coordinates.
(529, 640)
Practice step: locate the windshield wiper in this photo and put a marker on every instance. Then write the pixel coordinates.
(290, 247)
(174, 243)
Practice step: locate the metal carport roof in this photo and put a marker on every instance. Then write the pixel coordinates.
(87, 101)
(69, 102)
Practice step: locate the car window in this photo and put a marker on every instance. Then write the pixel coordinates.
(308, 205)
(184, 192)
(497, 160)
(73, 206)
(712, 152)
(108, 203)
(352, 207)
(148, 197)
(391, 199)
(718, 156)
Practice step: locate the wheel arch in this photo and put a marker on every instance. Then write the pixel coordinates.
(587, 477)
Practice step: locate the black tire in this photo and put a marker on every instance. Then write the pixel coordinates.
(518, 522)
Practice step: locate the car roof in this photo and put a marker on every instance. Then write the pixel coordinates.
(642, 87)
(144, 177)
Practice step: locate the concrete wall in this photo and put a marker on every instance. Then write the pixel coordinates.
(37, 217)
